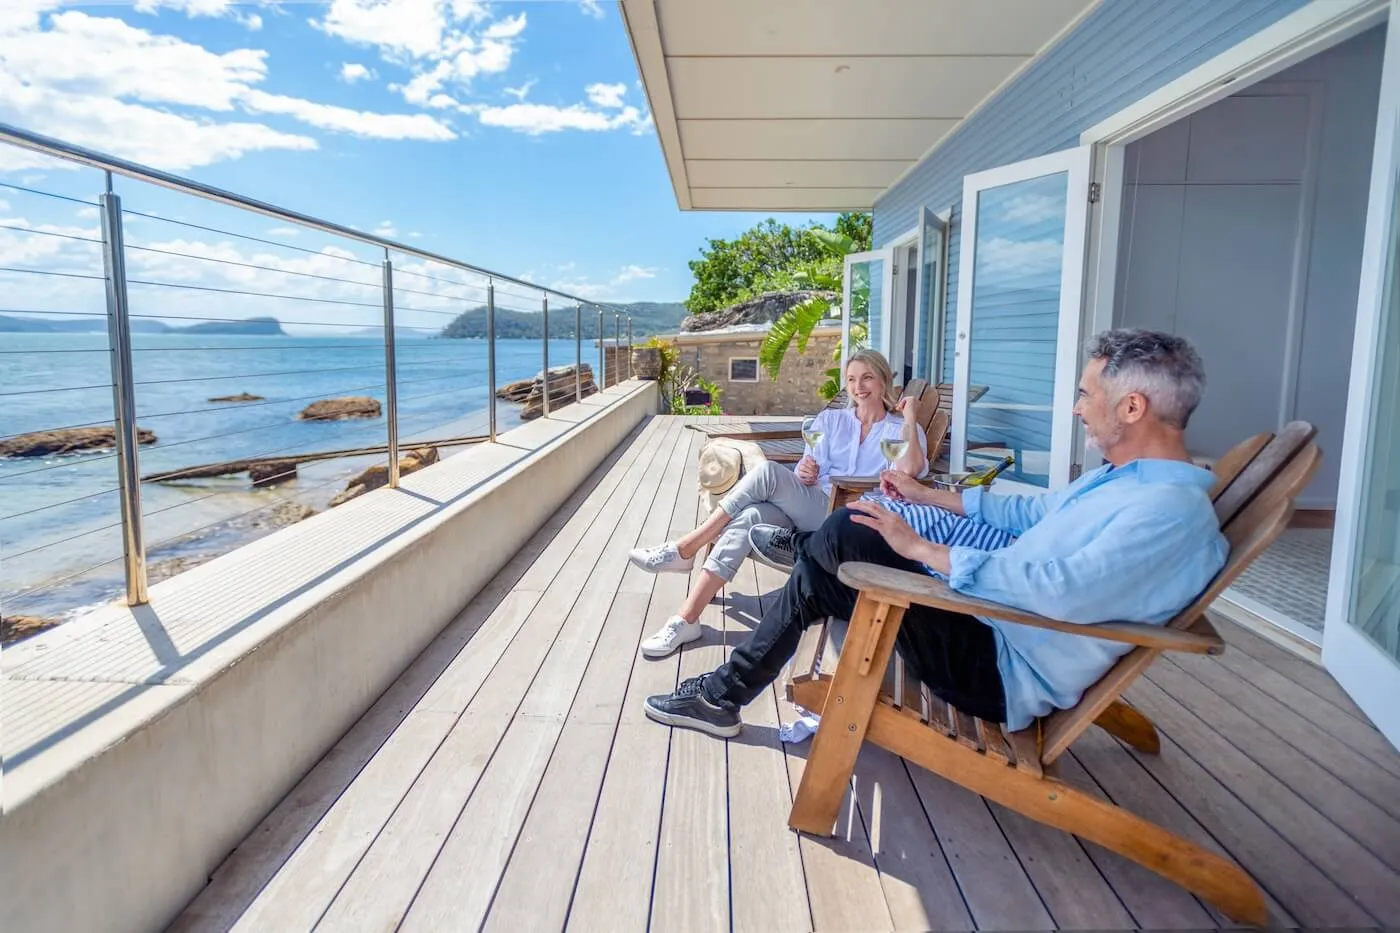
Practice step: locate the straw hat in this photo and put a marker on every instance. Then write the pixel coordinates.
(720, 466)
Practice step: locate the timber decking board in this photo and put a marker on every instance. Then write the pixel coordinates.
(510, 781)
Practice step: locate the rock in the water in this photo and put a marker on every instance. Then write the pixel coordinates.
(761, 309)
(240, 397)
(284, 514)
(67, 441)
(378, 475)
(13, 628)
(272, 472)
(340, 409)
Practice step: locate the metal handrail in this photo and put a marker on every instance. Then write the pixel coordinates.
(119, 315)
(57, 148)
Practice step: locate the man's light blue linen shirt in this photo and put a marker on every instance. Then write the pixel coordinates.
(1132, 544)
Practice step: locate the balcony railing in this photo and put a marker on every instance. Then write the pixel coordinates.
(111, 244)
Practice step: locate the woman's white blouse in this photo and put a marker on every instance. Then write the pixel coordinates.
(840, 452)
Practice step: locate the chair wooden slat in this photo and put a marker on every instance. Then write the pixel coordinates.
(1236, 459)
(993, 743)
(1261, 469)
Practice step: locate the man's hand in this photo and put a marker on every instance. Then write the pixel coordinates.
(901, 486)
(807, 471)
(898, 534)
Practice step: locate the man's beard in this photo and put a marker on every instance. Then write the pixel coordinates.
(1111, 436)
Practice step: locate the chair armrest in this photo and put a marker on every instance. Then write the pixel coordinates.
(867, 483)
(902, 587)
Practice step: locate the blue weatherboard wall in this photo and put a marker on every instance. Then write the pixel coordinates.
(1121, 52)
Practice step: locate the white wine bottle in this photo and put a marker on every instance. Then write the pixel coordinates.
(985, 477)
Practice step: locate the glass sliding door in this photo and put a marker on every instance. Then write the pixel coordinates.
(1021, 275)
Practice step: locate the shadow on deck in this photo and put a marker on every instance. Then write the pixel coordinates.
(509, 780)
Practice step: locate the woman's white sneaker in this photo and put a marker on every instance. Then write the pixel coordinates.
(663, 558)
(676, 632)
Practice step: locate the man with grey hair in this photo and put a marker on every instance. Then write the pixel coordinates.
(1135, 540)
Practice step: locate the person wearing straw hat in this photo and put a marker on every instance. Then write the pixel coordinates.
(850, 445)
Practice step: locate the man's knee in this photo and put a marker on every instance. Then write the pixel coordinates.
(840, 539)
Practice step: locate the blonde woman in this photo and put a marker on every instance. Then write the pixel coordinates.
(797, 499)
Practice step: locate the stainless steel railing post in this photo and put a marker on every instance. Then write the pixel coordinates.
(578, 352)
(491, 358)
(544, 316)
(617, 345)
(602, 354)
(391, 379)
(631, 372)
(123, 397)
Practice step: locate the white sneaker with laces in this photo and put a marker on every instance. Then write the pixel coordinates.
(676, 632)
(663, 558)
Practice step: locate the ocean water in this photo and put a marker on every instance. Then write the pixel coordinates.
(60, 535)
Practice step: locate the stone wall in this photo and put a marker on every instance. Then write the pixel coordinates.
(794, 392)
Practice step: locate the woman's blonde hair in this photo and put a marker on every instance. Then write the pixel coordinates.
(876, 361)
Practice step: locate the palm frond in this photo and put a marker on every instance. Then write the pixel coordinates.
(795, 324)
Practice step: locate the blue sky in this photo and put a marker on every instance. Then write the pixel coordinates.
(511, 135)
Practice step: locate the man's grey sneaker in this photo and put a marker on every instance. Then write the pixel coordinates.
(688, 709)
(663, 558)
(773, 545)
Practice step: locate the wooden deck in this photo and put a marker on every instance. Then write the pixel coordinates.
(509, 780)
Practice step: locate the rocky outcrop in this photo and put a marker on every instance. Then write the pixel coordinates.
(13, 628)
(67, 441)
(272, 472)
(761, 309)
(240, 397)
(341, 409)
(378, 475)
(562, 386)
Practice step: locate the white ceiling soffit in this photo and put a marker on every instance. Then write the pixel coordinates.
(819, 105)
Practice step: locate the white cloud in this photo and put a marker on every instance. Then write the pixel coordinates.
(611, 290)
(415, 235)
(591, 8)
(445, 44)
(632, 273)
(350, 72)
(1033, 209)
(343, 119)
(606, 95)
(386, 228)
(520, 93)
(283, 231)
(210, 8)
(537, 119)
(101, 82)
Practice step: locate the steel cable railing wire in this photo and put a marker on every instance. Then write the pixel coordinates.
(46, 194)
(249, 293)
(355, 260)
(254, 266)
(20, 270)
(52, 233)
(54, 505)
(378, 324)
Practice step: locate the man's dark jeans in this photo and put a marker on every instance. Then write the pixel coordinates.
(954, 655)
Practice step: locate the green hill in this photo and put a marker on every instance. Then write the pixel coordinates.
(648, 318)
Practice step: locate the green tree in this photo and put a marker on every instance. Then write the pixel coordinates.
(765, 258)
(728, 271)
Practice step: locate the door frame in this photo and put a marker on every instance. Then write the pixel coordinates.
(884, 254)
(1363, 670)
(899, 246)
(1076, 164)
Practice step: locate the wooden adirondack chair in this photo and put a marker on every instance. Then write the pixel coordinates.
(1254, 492)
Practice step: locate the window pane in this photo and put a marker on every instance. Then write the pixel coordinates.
(1375, 589)
(1015, 322)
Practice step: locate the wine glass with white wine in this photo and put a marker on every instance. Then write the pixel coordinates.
(893, 448)
(811, 433)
